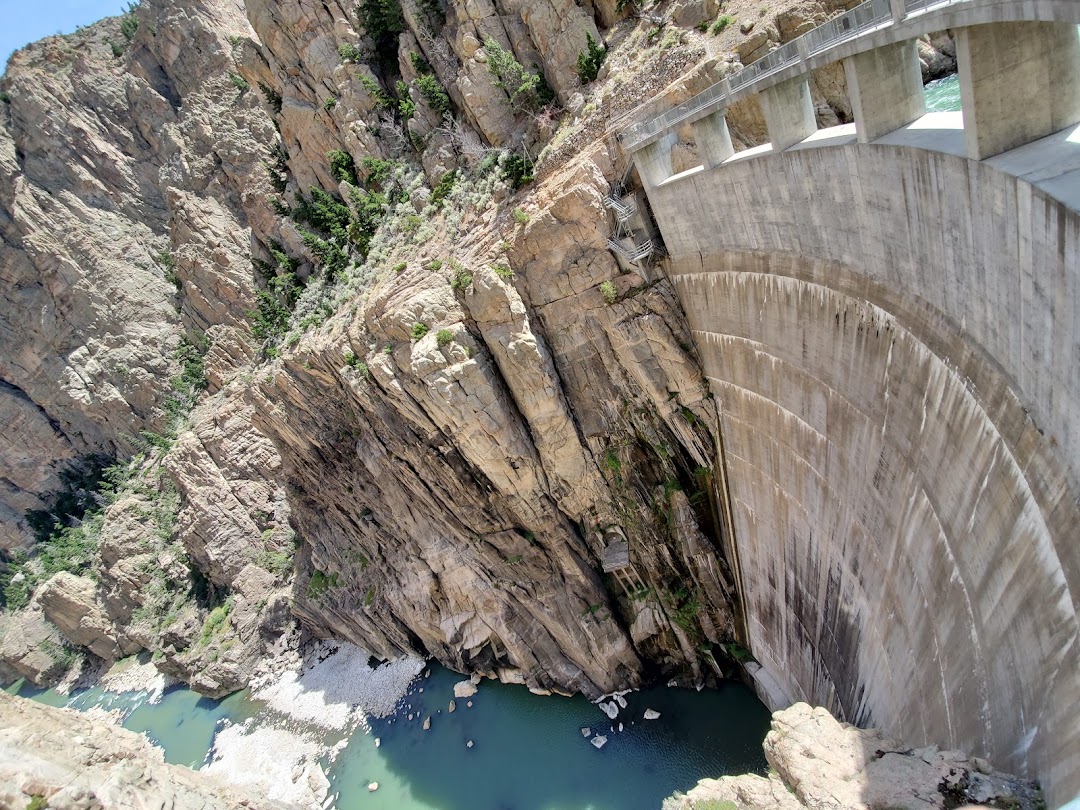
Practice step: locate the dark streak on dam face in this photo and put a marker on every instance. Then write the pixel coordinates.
(893, 340)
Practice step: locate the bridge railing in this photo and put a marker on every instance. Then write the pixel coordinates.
(869, 16)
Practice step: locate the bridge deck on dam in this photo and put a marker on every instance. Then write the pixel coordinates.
(1051, 164)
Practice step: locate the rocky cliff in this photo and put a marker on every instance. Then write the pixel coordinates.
(282, 339)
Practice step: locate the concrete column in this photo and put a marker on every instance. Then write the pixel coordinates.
(789, 112)
(1019, 82)
(713, 139)
(653, 162)
(898, 10)
(886, 90)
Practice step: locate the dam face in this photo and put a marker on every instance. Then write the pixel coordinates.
(893, 340)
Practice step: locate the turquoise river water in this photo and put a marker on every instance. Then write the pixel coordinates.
(528, 751)
(943, 95)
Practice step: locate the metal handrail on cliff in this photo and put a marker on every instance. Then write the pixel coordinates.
(623, 212)
(642, 251)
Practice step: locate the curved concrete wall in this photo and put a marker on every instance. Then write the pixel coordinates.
(893, 337)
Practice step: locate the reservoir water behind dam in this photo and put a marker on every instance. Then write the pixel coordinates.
(528, 751)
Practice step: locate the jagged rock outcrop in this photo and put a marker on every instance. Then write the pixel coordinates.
(73, 605)
(68, 760)
(818, 762)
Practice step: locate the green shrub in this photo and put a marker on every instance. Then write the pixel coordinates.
(434, 265)
(611, 461)
(443, 187)
(342, 166)
(607, 289)
(517, 170)
(462, 278)
(129, 23)
(5, 98)
(374, 90)
(527, 90)
(520, 217)
(350, 53)
(503, 271)
(369, 597)
(383, 21)
(590, 60)
(433, 93)
(272, 96)
(239, 82)
(722, 24)
(400, 267)
(444, 337)
(37, 802)
(278, 563)
(419, 330)
(329, 104)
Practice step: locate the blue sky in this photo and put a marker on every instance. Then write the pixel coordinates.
(25, 21)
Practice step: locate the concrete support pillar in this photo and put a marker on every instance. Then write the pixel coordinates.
(789, 112)
(653, 162)
(713, 139)
(1019, 82)
(886, 90)
(898, 10)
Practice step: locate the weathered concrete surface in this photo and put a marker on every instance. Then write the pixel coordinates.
(789, 112)
(1019, 82)
(886, 89)
(892, 338)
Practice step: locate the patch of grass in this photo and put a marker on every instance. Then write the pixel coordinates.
(400, 267)
(607, 289)
(320, 583)
(611, 461)
(329, 104)
(216, 620)
(369, 597)
(520, 217)
(722, 23)
(434, 265)
(239, 82)
(503, 271)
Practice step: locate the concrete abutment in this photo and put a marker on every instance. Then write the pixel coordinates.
(886, 89)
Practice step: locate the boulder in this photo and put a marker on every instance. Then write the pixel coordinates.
(599, 741)
(72, 604)
(652, 714)
(464, 689)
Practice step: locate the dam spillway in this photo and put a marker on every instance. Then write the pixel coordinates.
(891, 336)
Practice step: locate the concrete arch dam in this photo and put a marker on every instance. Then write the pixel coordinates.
(892, 336)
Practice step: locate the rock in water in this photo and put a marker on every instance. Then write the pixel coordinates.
(585, 732)
(621, 701)
(378, 742)
(610, 709)
(453, 707)
(599, 740)
(620, 727)
(469, 705)
(464, 689)
(427, 723)
(468, 744)
(652, 714)
(372, 787)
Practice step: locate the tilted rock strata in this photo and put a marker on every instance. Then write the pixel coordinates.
(74, 760)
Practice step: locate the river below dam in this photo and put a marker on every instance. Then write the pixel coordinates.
(943, 95)
(528, 752)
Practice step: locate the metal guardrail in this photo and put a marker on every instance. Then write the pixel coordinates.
(642, 251)
(869, 16)
(623, 211)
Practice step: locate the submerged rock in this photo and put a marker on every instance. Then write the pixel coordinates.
(599, 741)
(586, 731)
